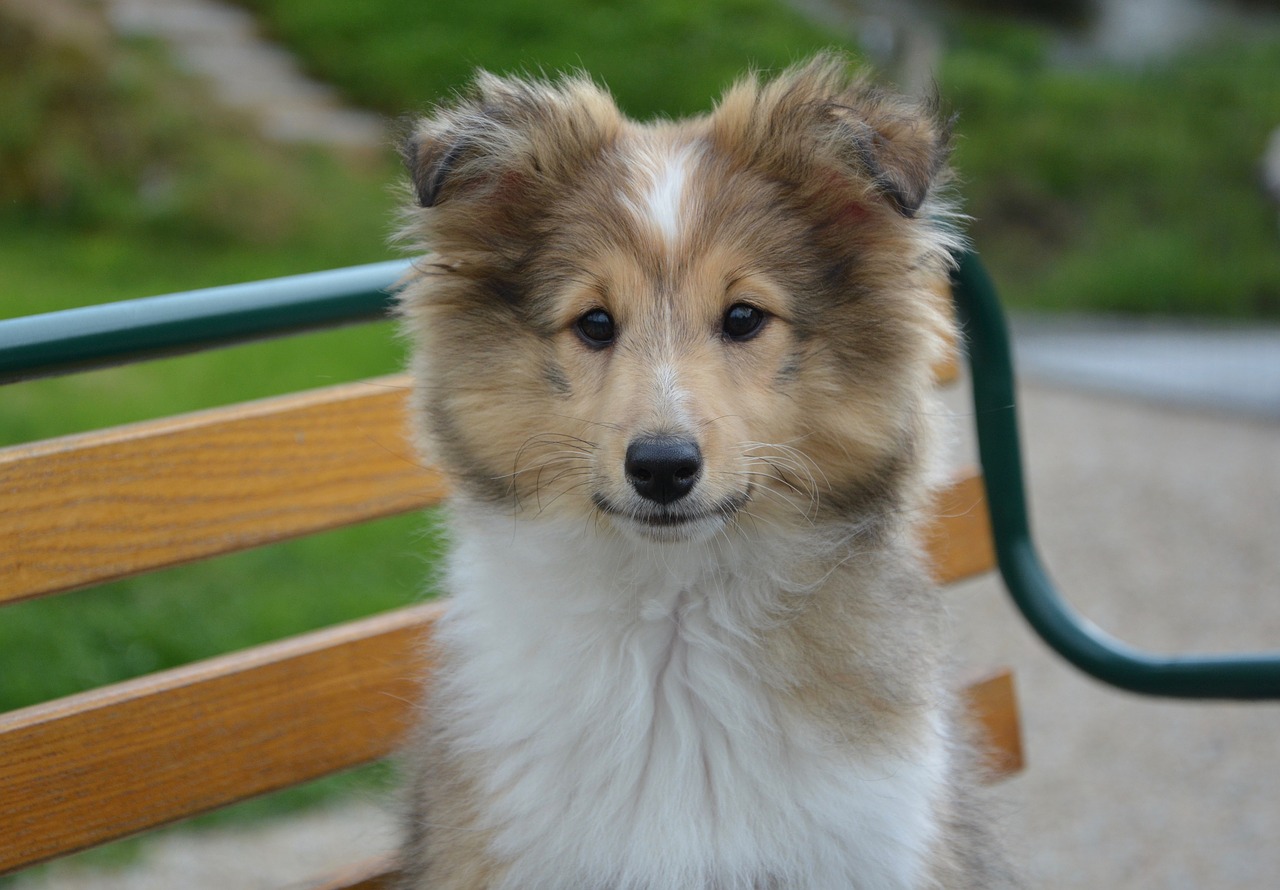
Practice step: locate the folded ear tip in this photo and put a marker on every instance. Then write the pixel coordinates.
(432, 150)
(908, 188)
(503, 139)
(906, 153)
(907, 204)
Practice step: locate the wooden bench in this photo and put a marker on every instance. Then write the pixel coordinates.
(90, 508)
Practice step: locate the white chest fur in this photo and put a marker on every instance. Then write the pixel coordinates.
(612, 698)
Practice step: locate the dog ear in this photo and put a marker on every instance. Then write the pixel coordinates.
(901, 146)
(430, 154)
(821, 128)
(509, 132)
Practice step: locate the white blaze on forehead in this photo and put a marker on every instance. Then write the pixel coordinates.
(662, 176)
(671, 394)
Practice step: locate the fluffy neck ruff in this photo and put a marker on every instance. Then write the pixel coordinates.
(635, 712)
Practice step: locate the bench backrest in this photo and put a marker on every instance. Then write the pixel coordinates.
(85, 509)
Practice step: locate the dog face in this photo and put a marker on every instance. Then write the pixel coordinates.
(668, 329)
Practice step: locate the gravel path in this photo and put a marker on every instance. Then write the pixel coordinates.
(1161, 526)
(296, 852)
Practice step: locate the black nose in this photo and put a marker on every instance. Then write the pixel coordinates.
(663, 468)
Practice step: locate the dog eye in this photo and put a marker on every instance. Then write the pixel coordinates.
(742, 322)
(596, 328)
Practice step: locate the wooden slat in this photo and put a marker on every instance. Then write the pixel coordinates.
(101, 506)
(993, 706)
(94, 767)
(958, 537)
(947, 371)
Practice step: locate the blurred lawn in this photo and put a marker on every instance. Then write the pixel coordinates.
(119, 178)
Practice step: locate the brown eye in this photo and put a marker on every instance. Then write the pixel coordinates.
(742, 322)
(596, 328)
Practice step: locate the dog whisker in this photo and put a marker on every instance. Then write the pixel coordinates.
(542, 507)
(806, 512)
(547, 449)
(791, 469)
(612, 427)
(804, 464)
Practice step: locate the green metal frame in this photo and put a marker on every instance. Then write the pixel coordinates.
(1069, 634)
(77, 339)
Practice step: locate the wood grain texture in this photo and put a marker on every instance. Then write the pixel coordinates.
(106, 764)
(101, 506)
(958, 536)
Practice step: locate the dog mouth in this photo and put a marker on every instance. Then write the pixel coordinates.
(666, 521)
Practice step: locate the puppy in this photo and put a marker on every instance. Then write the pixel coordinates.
(679, 376)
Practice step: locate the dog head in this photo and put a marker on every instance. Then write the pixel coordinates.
(674, 326)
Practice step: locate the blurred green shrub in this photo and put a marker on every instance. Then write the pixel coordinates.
(661, 57)
(1113, 189)
(97, 135)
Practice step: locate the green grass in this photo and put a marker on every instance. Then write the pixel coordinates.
(134, 627)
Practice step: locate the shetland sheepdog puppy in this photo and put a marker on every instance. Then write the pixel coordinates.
(678, 374)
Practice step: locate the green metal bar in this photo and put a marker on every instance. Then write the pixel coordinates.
(97, 336)
(1253, 676)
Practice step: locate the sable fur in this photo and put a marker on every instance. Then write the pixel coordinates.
(739, 690)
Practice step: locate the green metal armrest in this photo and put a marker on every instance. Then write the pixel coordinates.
(1069, 634)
